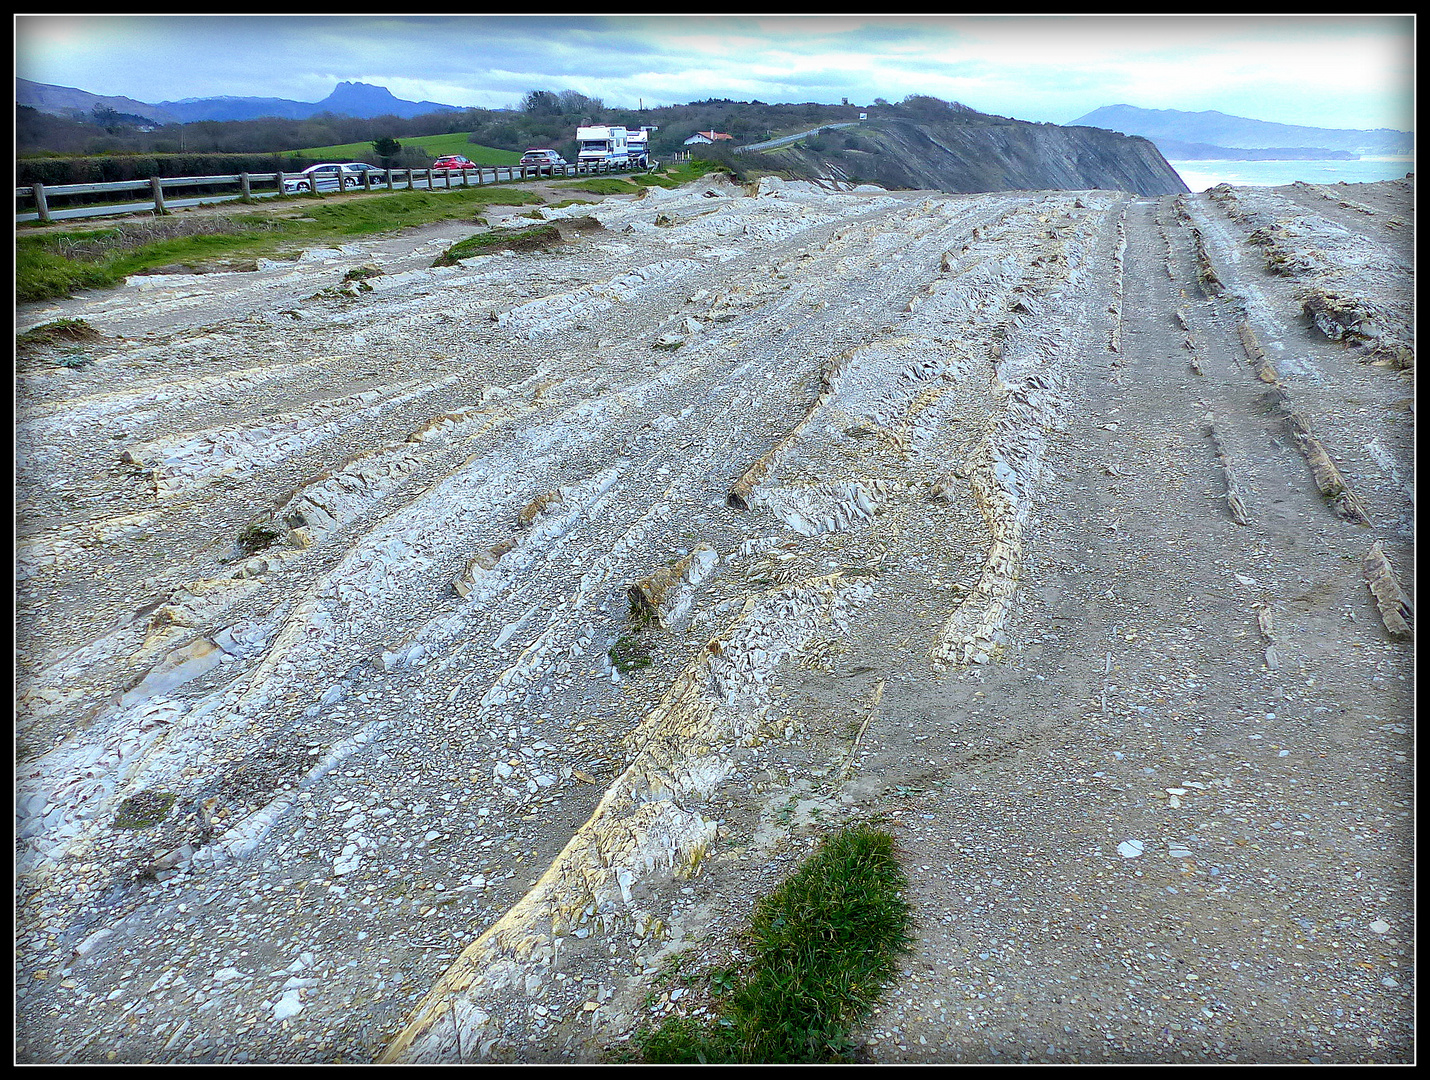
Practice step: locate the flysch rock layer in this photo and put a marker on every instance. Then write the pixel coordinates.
(418, 673)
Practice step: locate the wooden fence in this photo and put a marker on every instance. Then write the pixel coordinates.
(159, 189)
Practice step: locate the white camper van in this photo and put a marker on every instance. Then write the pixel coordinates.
(638, 145)
(602, 143)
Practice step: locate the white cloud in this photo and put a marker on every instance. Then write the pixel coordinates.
(1325, 72)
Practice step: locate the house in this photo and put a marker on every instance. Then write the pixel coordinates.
(705, 138)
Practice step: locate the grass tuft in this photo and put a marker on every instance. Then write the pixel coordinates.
(59, 330)
(629, 653)
(257, 536)
(536, 238)
(822, 949)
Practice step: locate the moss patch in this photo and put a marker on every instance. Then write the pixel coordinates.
(143, 810)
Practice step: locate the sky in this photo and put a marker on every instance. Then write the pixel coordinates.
(1318, 71)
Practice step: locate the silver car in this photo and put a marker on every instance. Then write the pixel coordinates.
(325, 177)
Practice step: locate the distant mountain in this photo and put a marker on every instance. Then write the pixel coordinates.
(348, 99)
(1185, 151)
(1239, 132)
(66, 101)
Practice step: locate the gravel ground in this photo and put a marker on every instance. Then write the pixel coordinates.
(1036, 524)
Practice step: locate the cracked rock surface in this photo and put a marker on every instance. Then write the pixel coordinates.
(438, 670)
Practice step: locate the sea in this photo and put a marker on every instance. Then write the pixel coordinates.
(1200, 175)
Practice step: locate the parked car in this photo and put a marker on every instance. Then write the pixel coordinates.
(542, 157)
(325, 176)
(360, 167)
(454, 161)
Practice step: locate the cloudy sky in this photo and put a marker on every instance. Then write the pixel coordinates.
(1344, 72)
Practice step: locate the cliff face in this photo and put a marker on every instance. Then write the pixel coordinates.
(982, 153)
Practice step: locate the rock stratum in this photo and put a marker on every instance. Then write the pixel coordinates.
(433, 664)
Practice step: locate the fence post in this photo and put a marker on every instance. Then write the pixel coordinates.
(279, 178)
(41, 205)
(245, 193)
(367, 181)
(157, 184)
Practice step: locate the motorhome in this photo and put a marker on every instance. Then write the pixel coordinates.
(602, 143)
(638, 145)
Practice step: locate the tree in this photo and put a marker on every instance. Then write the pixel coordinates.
(386, 149)
(572, 103)
(106, 118)
(541, 103)
(926, 106)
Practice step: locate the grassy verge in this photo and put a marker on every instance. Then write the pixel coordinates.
(822, 950)
(602, 185)
(55, 264)
(51, 264)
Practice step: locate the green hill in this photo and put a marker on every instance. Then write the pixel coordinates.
(436, 145)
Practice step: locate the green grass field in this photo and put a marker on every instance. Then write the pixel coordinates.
(436, 145)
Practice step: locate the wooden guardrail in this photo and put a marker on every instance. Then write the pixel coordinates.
(371, 179)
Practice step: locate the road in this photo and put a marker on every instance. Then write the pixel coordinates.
(785, 140)
(337, 739)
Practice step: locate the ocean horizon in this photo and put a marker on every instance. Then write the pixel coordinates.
(1200, 175)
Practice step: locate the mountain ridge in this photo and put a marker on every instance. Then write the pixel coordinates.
(1242, 133)
(357, 99)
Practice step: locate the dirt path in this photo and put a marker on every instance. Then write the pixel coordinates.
(323, 600)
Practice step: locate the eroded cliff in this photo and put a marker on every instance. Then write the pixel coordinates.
(970, 152)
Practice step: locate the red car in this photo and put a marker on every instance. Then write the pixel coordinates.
(454, 161)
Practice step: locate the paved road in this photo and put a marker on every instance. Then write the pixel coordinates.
(785, 140)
